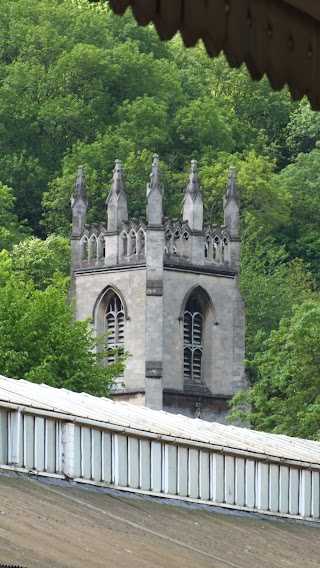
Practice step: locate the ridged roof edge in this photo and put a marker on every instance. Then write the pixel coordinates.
(277, 38)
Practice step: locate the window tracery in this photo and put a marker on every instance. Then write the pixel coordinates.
(114, 325)
(193, 340)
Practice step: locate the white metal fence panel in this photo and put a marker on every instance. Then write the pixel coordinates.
(262, 489)
(250, 484)
(138, 462)
(229, 464)
(315, 490)
(193, 474)
(240, 482)
(293, 491)
(30, 442)
(182, 488)
(133, 463)
(156, 466)
(145, 464)
(170, 469)
(204, 475)
(3, 436)
(217, 478)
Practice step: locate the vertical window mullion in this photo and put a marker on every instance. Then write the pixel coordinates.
(114, 312)
(116, 329)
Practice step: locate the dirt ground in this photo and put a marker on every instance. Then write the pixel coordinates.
(62, 526)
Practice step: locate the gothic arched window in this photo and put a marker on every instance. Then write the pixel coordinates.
(193, 341)
(114, 324)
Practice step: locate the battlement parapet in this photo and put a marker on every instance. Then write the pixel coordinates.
(127, 241)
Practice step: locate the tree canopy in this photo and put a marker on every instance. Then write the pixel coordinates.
(81, 85)
(286, 396)
(39, 339)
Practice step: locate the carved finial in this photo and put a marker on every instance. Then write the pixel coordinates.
(193, 200)
(117, 184)
(80, 188)
(117, 200)
(79, 204)
(154, 194)
(155, 178)
(231, 186)
(194, 182)
(231, 205)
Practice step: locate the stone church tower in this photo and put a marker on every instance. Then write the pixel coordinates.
(168, 291)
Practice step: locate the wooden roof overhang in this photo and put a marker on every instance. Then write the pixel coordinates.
(279, 38)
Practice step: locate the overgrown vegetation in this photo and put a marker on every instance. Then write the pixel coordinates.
(80, 85)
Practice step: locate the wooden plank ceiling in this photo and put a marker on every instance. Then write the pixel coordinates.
(279, 38)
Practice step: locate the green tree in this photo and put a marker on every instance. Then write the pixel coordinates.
(257, 184)
(5, 267)
(286, 399)
(41, 342)
(201, 124)
(271, 285)
(11, 231)
(126, 142)
(74, 76)
(301, 234)
(256, 115)
(145, 38)
(27, 178)
(303, 129)
(41, 261)
(49, 52)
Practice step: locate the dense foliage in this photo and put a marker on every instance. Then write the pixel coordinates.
(80, 85)
(286, 397)
(39, 339)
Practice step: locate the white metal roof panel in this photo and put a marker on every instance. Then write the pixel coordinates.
(121, 414)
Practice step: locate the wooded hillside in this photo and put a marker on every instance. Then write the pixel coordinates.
(80, 85)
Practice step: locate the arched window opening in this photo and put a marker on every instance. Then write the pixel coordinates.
(93, 248)
(141, 242)
(114, 325)
(217, 247)
(133, 243)
(214, 251)
(101, 248)
(224, 250)
(193, 340)
(177, 243)
(185, 238)
(168, 241)
(124, 239)
(84, 249)
(208, 248)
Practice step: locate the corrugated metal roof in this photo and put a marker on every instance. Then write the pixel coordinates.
(121, 414)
